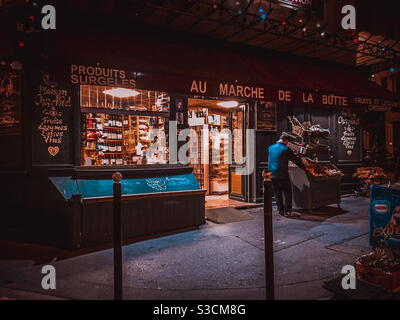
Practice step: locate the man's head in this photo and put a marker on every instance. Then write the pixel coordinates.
(284, 140)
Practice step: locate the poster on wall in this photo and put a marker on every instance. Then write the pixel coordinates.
(52, 121)
(349, 144)
(10, 103)
(266, 116)
(179, 106)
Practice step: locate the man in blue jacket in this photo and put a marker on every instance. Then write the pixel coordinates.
(279, 155)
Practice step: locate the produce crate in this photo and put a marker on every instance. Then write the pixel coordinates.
(297, 147)
(307, 189)
(384, 279)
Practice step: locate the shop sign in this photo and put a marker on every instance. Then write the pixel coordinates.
(10, 103)
(298, 96)
(212, 88)
(266, 116)
(114, 77)
(377, 104)
(52, 120)
(225, 89)
(349, 134)
(296, 4)
(101, 76)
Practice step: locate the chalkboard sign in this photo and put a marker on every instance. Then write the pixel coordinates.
(349, 136)
(52, 106)
(10, 103)
(266, 116)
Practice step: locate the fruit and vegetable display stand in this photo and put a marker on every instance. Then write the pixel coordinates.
(312, 192)
(319, 175)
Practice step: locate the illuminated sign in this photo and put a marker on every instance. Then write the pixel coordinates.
(296, 4)
(381, 207)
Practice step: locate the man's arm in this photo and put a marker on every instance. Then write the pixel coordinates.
(295, 159)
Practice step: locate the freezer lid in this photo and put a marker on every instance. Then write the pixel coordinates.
(67, 186)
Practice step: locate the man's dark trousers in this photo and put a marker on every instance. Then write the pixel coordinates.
(283, 188)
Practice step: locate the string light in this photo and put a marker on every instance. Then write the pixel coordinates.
(392, 69)
(283, 23)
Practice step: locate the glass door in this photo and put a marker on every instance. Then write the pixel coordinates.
(237, 185)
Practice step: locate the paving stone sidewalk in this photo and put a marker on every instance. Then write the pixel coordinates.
(224, 261)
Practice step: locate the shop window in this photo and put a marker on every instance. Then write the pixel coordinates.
(123, 126)
(124, 99)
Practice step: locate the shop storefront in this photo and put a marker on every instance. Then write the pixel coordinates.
(80, 117)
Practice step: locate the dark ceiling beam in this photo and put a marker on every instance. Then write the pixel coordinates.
(366, 61)
(287, 44)
(202, 17)
(382, 66)
(303, 45)
(332, 53)
(174, 15)
(322, 42)
(230, 20)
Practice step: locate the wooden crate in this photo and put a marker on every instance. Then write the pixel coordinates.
(387, 280)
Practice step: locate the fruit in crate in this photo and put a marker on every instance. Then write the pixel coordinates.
(320, 169)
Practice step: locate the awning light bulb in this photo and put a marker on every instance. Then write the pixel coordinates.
(228, 104)
(121, 92)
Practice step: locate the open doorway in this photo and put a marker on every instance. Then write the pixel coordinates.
(216, 144)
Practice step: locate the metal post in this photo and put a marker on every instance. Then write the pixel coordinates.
(117, 226)
(268, 237)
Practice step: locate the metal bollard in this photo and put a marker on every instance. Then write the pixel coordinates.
(117, 234)
(268, 237)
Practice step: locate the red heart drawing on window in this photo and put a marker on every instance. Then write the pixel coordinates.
(53, 150)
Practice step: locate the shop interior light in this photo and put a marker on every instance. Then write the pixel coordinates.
(121, 92)
(228, 104)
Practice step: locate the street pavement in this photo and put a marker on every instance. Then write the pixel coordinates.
(216, 261)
